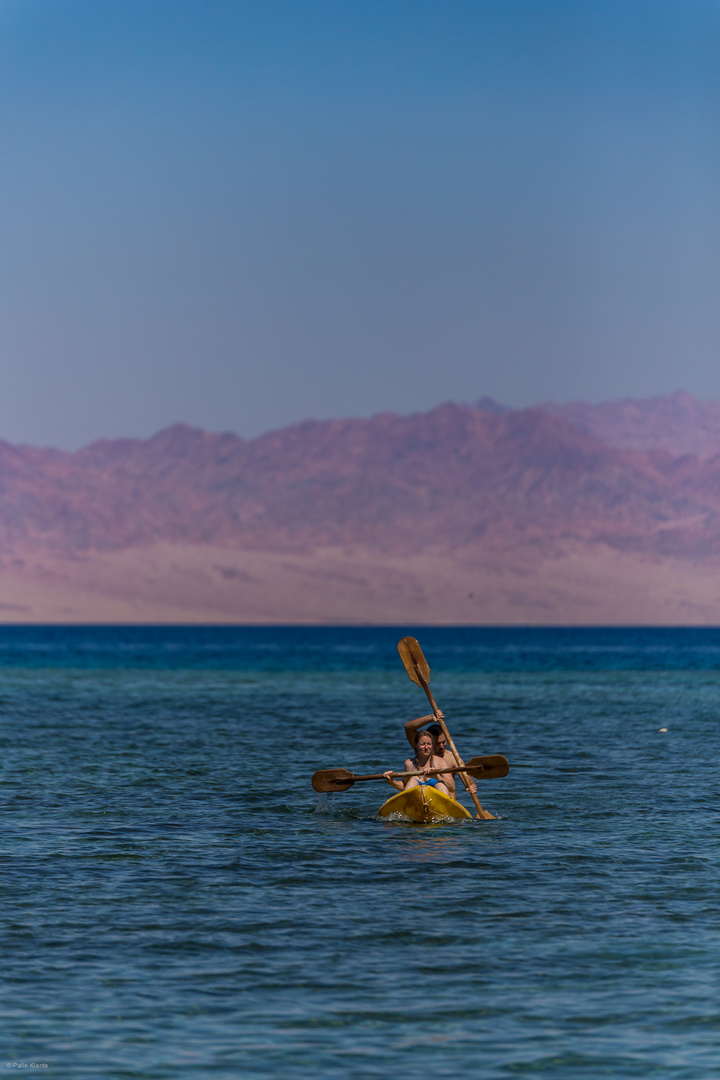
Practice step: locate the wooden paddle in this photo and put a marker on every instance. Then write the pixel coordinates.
(481, 768)
(418, 669)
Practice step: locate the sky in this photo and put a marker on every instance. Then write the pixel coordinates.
(241, 214)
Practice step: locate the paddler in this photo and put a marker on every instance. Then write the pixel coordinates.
(425, 761)
(440, 748)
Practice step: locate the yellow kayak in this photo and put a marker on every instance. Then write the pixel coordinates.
(423, 804)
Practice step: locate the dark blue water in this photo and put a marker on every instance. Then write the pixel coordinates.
(177, 901)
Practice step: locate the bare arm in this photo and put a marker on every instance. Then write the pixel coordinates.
(449, 760)
(399, 784)
(412, 726)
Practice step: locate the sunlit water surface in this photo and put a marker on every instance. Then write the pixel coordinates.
(177, 901)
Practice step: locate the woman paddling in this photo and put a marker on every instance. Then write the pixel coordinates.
(441, 752)
(443, 757)
(423, 762)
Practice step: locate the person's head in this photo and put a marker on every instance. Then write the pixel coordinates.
(424, 743)
(438, 737)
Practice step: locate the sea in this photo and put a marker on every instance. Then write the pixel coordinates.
(177, 901)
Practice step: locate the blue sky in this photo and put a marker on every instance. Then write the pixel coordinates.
(244, 214)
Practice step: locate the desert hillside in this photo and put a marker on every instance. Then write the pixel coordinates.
(678, 423)
(462, 514)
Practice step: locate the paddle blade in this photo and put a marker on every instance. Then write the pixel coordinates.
(412, 656)
(332, 780)
(489, 767)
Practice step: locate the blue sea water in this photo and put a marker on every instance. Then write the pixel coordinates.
(176, 901)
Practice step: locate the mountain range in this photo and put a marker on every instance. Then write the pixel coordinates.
(477, 513)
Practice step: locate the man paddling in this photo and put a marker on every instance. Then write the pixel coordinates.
(440, 749)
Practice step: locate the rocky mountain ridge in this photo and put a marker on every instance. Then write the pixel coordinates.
(461, 514)
(447, 480)
(678, 422)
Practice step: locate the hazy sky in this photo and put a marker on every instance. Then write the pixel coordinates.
(244, 214)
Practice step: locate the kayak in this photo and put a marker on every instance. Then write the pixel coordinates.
(423, 803)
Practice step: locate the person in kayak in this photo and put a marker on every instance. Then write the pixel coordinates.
(440, 747)
(425, 761)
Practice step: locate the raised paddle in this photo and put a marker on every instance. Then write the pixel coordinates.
(418, 669)
(481, 768)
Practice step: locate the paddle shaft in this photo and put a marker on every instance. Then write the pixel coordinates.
(482, 768)
(408, 775)
(424, 683)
